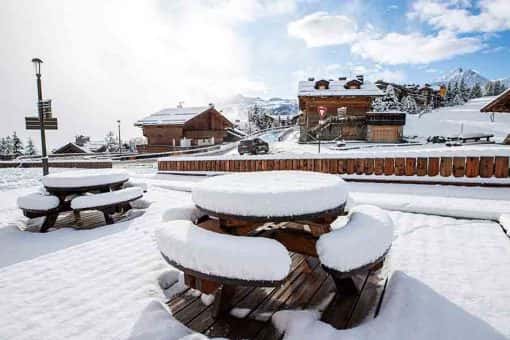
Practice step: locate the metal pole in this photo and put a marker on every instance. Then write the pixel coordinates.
(319, 135)
(44, 158)
(120, 143)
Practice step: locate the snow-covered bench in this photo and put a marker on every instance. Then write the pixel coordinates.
(185, 211)
(108, 202)
(38, 204)
(213, 259)
(359, 246)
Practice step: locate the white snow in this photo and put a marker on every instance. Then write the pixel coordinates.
(450, 282)
(172, 116)
(106, 198)
(336, 88)
(270, 193)
(155, 322)
(365, 238)
(236, 257)
(84, 178)
(38, 201)
(182, 211)
(207, 299)
(130, 184)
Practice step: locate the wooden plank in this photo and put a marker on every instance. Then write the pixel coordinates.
(341, 166)
(369, 166)
(379, 166)
(446, 166)
(486, 167)
(333, 166)
(472, 166)
(410, 166)
(433, 166)
(421, 166)
(350, 166)
(459, 166)
(389, 166)
(317, 165)
(325, 165)
(359, 166)
(400, 166)
(501, 167)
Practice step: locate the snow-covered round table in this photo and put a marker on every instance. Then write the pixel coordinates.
(300, 205)
(80, 181)
(272, 195)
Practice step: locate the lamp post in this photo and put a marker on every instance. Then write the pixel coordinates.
(37, 65)
(120, 143)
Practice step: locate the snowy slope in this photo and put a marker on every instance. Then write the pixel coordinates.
(470, 77)
(446, 121)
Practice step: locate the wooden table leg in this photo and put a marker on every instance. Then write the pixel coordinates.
(49, 222)
(223, 300)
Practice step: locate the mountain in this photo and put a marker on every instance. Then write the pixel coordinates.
(470, 77)
(237, 107)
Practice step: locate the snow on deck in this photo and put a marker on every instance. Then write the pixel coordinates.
(88, 284)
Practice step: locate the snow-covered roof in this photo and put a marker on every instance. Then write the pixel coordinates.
(172, 116)
(498, 104)
(337, 88)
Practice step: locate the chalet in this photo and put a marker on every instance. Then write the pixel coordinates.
(171, 128)
(500, 104)
(340, 109)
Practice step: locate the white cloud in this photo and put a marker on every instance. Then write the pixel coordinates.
(116, 59)
(492, 16)
(415, 48)
(322, 29)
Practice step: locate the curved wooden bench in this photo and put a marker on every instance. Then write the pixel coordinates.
(38, 204)
(108, 203)
(359, 246)
(213, 260)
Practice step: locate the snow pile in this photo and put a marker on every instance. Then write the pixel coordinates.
(38, 201)
(131, 184)
(156, 323)
(270, 193)
(364, 239)
(504, 220)
(411, 310)
(236, 257)
(187, 211)
(106, 198)
(451, 282)
(84, 178)
(437, 205)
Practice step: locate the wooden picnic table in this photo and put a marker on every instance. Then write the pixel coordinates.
(74, 183)
(297, 208)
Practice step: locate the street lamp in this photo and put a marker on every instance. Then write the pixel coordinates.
(37, 66)
(120, 143)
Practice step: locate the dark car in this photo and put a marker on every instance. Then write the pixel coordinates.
(253, 146)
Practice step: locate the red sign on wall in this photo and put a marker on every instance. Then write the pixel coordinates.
(322, 111)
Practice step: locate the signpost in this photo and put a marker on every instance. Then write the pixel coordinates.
(44, 119)
(322, 113)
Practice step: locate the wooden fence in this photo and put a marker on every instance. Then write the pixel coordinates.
(59, 164)
(484, 167)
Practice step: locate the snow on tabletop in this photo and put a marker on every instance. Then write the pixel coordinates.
(131, 184)
(38, 201)
(270, 193)
(106, 198)
(84, 178)
(235, 257)
(365, 238)
(183, 211)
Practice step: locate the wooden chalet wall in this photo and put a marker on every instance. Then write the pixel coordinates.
(470, 167)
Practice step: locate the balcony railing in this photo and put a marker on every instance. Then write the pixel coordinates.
(386, 118)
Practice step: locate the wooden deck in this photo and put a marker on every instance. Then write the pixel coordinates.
(308, 287)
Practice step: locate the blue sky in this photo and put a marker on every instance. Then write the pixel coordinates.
(123, 59)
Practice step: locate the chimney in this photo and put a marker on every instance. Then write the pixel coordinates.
(211, 105)
(360, 78)
(342, 78)
(311, 79)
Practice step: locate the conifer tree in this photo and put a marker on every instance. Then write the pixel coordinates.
(30, 149)
(17, 145)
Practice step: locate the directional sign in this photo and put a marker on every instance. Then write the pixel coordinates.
(45, 107)
(322, 111)
(33, 123)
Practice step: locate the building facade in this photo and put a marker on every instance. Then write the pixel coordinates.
(183, 127)
(340, 109)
